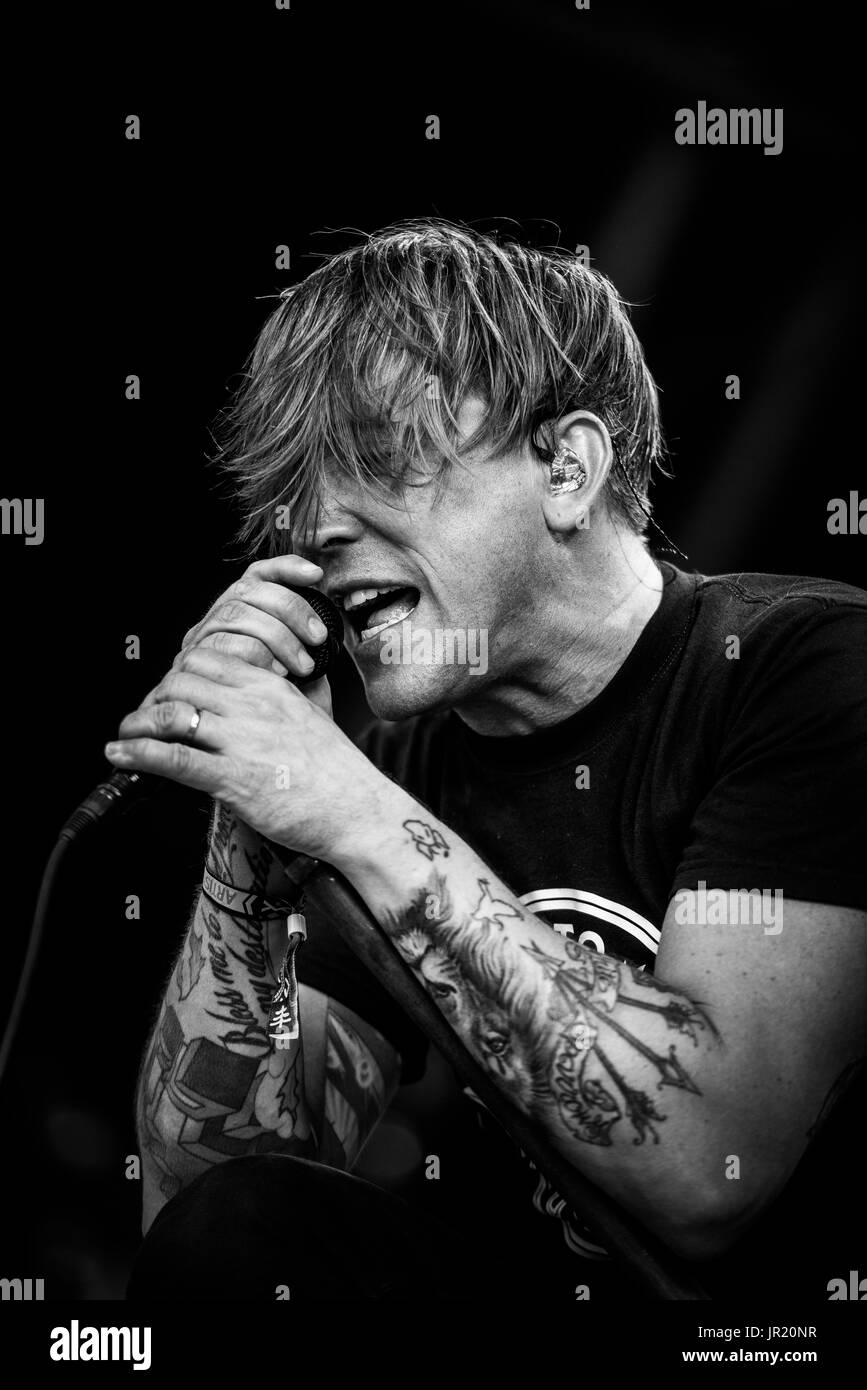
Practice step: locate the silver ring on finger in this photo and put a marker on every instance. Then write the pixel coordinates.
(194, 724)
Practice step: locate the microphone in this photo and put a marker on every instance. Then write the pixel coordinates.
(121, 788)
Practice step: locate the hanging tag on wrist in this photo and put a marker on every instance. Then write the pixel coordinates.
(283, 1022)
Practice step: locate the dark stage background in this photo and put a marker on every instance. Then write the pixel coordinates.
(262, 128)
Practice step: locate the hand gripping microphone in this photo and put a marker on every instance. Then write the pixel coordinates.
(121, 788)
(117, 792)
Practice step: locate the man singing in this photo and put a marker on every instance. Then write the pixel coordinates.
(609, 813)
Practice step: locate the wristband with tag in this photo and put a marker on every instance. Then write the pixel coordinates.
(240, 904)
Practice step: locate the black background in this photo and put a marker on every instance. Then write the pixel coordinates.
(157, 257)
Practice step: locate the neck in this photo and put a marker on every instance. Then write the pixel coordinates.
(572, 640)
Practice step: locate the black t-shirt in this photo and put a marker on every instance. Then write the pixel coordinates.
(729, 750)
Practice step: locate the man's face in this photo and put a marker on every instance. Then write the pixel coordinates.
(462, 566)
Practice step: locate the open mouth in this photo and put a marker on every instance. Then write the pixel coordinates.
(371, 611)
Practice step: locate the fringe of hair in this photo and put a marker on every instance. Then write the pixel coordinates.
(366, 362)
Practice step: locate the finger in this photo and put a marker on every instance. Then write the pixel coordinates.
(247, 649)
(173, 720)
(220, 669)
(282, 569)
(176, 761)
(286, 569)
(289, 608)
(239, 617)
(198, 690)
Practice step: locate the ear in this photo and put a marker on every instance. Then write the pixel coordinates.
(583, 460)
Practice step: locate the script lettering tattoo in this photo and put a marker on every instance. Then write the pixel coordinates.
(573, 1036)
(235, 1009)
(253, 954)
(231, 860)
(254, 958)
(219, 964)
(222, 847)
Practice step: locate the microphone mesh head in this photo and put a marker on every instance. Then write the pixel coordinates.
(325, 653)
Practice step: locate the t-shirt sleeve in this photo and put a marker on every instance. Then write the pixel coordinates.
(326, 963)
(785, 808)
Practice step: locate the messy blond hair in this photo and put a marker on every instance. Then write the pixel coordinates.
(366, 363)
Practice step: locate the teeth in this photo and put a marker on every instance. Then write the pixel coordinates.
(356, 598)
(360, 596)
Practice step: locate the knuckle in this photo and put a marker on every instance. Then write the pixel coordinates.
(165, 714)
(179, 757)
(254, 652)
(231, 611)
(242, 586)
(238, 644)
(196, 662)
(259, 655)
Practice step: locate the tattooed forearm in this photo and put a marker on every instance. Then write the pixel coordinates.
(211, 1088)
(211, 1085)
(578, 1039)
